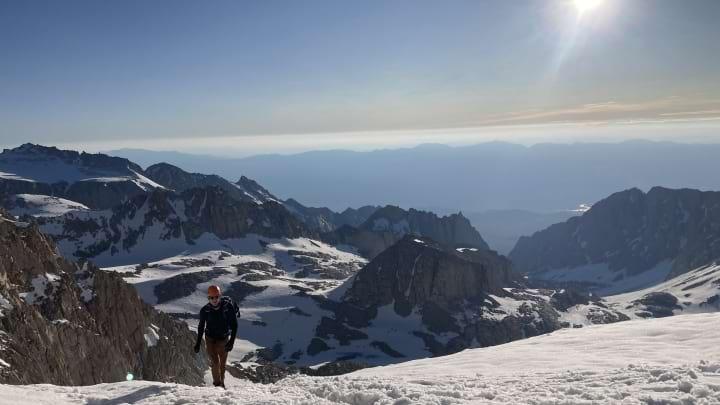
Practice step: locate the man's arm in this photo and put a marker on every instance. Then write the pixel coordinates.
(233, 331)
(201, 331)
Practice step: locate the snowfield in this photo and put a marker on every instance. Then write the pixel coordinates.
(674, 360)
(271, 310)
(43, 205)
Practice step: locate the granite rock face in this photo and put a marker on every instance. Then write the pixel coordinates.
(631, 231)
(69, 325)
(459, 291)
(415, 271)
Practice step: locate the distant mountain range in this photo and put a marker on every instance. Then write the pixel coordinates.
(541, 178)
(130, 215)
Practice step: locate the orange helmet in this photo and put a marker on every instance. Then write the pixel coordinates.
(213, 290)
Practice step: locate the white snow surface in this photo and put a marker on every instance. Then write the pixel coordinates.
(610, 282)
(39, 205)
(697, 291)
(673, 360)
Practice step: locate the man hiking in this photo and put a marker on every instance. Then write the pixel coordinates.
(218, 322)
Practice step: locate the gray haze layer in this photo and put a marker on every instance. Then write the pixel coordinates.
(541, 178)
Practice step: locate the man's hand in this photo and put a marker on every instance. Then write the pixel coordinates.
(229, 345)
(197, 347)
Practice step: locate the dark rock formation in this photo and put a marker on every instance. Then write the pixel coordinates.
(316, 346)
(415, 271)
(658, 304)
(564, 299)
(61, 324)
(325, 220)
(445, 286)
(239, 290)
(271, 373)
(388, 225)
(630, 230)
(184, 285)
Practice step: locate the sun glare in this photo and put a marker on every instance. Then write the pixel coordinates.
(583, 6)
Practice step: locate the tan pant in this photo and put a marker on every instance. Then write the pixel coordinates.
(218, 356)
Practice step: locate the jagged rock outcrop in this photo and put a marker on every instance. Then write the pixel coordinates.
(66, 325)
(245, 189)
(416, 271)
(167, 218)
(631, 232)
(95, 180)
(454, 290)
(255, 191)
(179, 180)
(389, 224)
(325, 220)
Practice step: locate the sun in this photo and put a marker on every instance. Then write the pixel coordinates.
(584, 6)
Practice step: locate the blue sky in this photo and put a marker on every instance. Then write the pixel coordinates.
(110, 73)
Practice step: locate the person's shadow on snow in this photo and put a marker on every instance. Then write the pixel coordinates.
(132, 397)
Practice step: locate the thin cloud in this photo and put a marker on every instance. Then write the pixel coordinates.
(610, 111)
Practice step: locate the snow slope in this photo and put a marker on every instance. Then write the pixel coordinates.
(273, 270)
(696, 291)
(673, 360)
(606, 281)
(42, 205)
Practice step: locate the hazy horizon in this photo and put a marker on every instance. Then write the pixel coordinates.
(242, 78)
(241, 147)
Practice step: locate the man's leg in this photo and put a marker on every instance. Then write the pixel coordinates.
(222, 360)
(211, 346)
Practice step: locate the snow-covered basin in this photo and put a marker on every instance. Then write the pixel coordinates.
(661, 341)
(672, 360)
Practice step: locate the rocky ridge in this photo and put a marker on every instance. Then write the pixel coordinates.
(389, 224)
(163, 218)
(69, 325)
(630, 232)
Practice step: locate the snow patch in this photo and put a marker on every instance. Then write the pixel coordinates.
(151, 335)
(39, 287)
(4, 305)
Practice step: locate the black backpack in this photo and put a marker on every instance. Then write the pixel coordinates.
(225, 300)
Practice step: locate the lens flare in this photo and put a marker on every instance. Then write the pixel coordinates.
(584, 6)
(129, 377)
